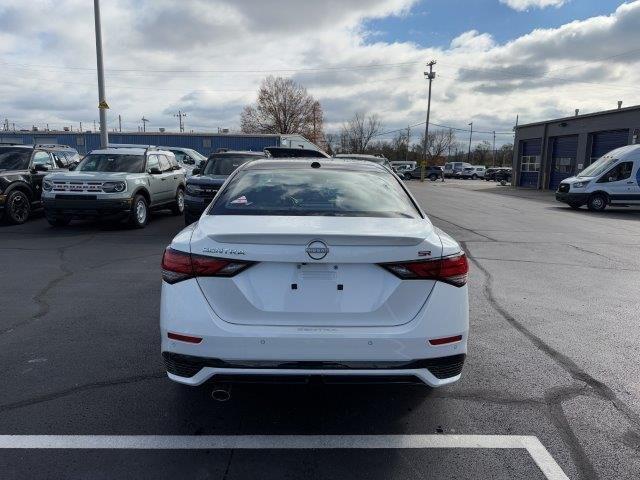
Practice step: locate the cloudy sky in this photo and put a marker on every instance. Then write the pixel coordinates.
(496, 59)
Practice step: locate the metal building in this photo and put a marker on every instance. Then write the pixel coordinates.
(205, 143)
(545, 153)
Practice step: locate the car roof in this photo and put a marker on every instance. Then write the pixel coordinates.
(129, 151)
(328, 163)
(361, 156)
(239, 152)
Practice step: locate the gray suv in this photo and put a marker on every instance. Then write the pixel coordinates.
(123, 183)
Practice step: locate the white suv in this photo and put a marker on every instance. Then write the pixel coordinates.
(473, 172)
(280, 277)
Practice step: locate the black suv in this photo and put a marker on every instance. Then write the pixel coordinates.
(205, 182)
(22, 168)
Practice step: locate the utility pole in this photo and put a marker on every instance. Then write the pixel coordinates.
(470, 136)
(94, 129)
(102, 102)
(120, 123)
(494, 149)
(144, 124)
(81, 127)
(430, 76)
(180, 116)
(406, 157)
(449, 142)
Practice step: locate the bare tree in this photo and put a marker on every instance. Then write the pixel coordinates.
(358, 132)
(482, 153)
(440, 141)
(283, 106)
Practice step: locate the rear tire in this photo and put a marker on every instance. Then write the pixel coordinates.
(17, 207)
(474, 177)
(178, 207)
(597, 202)
(433, 177)
(139, 214)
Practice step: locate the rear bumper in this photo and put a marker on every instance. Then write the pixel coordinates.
(81, 207)
(192, 370)
(250, 350)
(568, 197)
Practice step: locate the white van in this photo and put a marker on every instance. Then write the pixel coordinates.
(613, 179)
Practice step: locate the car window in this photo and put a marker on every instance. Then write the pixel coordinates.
(226, 164)
(173, 163)
(165, 166)
(153, 162)
(108, 162)
(315, 192)
(12, 158)
(43, 158)
(61, 159)
(180, 156)
(622, 171)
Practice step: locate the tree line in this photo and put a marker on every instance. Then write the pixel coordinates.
(284, 106)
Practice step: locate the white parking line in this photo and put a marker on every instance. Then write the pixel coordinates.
(538, 452)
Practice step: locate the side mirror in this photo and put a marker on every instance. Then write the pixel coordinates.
(40, 168)
(155, 171)
(195, 171)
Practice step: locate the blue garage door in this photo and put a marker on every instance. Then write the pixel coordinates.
(530, 163)
(603, 142)
(563, 159)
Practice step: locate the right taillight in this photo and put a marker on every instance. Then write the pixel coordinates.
(178, 266)
(452, 270)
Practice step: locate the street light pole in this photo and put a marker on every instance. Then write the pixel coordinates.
(470, 135)
(430, 76)
(102, 102)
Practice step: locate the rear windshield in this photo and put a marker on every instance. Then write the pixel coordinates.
(226, 164)
(14, 158)
(315, 192)
(112, 163)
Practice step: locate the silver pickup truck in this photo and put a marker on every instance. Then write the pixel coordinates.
(122, 183)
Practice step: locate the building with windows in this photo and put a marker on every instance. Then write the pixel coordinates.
(205, 143)
(545, 153)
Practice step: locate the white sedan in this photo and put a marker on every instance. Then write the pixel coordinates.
(314, 268)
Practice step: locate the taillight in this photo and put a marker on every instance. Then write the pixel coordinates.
(178, 266)
(452, 270)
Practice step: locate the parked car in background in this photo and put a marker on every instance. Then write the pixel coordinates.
(187, 158)
(451, 168)
(614, 180)
(314, 267)
(120, 183)
(401, 167)
(288, 152)
(22, 169)
(432, 172)
(369, 158)
(473, 172)
(491, 172)
(205, 182)
(503, 176)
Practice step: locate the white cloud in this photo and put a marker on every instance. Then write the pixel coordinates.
(208, 57)
(522, 5)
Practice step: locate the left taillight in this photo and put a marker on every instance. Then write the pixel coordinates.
(178, 266)
(453, 270)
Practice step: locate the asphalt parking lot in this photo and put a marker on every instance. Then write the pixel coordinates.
(553, 354)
